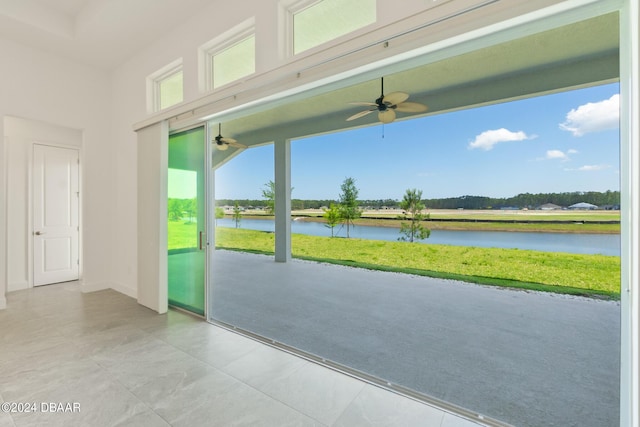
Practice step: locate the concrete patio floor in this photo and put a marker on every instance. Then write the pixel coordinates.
(525, 358)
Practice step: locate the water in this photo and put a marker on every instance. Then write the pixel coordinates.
(604, 244)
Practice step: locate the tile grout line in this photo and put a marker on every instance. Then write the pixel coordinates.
(364, 385)
(222, 371)
(116, 381)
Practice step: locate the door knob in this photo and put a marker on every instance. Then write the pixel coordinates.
(38, 233)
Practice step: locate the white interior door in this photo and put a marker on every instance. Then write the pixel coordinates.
(55, 214)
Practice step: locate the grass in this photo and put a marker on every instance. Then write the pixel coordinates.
(182, 234)
(589, 275)
(578, 228)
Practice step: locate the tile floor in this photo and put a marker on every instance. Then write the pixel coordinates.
(127, 366)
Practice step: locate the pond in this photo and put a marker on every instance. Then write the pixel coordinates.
(604, 244)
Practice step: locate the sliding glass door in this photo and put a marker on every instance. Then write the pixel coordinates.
(186, 225)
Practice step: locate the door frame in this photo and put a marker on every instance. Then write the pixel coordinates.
(209, 221)
(30, 208)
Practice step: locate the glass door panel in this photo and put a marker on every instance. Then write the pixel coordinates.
(186, 225)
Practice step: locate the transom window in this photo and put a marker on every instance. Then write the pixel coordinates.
(234, 62)
(166, 86)
(315, 22)
(230, 57)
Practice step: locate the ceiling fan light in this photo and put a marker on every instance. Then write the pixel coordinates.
(387, 116)
(222, 146)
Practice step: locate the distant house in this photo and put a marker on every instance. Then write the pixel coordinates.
(549, 207)
(583, 206)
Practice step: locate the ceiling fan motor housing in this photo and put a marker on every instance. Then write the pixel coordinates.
(382, 106)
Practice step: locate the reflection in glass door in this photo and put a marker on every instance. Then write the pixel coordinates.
(186, 225)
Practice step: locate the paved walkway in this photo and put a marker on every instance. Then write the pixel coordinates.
(529, 359)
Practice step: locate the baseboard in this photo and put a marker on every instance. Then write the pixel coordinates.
(17, 286)
(94, 287)
(119, 287)
(101, 286)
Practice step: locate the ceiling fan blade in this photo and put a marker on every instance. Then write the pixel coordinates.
(236, 144)
(387, 116)
(411, 107)
(360, 114)
(228, 140)
(364, 104)
(395, 98)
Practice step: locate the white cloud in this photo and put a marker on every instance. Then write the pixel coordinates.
(556, 154)
(593, 117)
(559, 155)
(590, 168)
(487, 139)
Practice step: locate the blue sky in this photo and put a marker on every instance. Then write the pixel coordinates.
(555, 143)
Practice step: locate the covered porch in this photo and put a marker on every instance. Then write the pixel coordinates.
(525, 358)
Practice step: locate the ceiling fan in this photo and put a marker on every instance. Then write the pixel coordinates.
(386, 106)
(223, 143)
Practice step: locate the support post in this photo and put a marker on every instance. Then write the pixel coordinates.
(630, 214)
(282, 159)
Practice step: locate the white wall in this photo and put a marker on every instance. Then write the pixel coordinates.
(45, 88)
(20, 136)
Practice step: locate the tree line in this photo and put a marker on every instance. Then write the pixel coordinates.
(347, 209)
(523, 200)
(527, 200)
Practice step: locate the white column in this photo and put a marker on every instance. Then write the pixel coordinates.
(282, 209)
(153, 163)
(630, 215)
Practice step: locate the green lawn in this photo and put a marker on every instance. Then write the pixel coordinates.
(594, 275)
(182, 234)
(547, 227)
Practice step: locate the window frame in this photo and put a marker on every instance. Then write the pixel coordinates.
(154, 82)
(225, 41)
(289, 8)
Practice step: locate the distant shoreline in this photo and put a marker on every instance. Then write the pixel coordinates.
(565, 221)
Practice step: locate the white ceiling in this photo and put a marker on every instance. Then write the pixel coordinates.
(102, 33)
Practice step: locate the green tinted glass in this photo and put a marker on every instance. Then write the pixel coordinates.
(186, 220)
